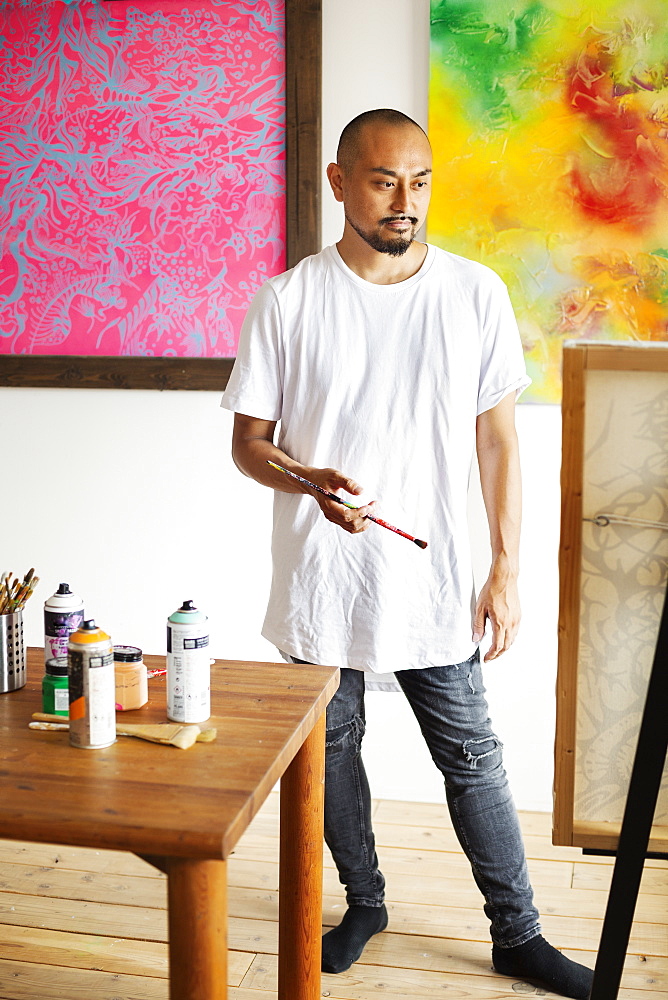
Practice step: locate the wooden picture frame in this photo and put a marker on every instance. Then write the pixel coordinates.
(613, 564)
(303, 53)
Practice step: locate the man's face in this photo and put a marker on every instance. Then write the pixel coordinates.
(386, 190)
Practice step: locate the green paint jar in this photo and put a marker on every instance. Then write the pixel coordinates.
(55, 688)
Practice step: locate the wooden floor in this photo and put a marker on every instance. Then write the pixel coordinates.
(87, 925)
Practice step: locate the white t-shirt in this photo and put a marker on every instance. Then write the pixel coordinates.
(384, 383)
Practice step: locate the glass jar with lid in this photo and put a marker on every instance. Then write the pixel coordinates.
(131, 678)
(55, 687)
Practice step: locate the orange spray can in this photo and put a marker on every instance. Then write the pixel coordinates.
(92, 687)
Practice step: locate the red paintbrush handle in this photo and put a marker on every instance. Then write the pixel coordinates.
(384, 524)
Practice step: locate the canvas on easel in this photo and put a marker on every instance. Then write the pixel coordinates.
(613, 564)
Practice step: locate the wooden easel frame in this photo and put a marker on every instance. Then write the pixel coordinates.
(579, 358)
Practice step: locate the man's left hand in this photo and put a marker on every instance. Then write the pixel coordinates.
(499, 602)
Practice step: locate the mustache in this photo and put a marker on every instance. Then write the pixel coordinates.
(400, 218)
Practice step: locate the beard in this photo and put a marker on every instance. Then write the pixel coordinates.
(396, 247)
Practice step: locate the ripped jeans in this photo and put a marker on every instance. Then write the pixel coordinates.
(450, 706)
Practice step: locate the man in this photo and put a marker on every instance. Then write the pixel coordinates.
(387, 362)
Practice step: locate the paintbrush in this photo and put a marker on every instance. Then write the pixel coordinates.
(333, 496)
(172, 734)
(14, 594)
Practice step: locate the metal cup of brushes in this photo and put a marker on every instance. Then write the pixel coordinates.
(13, 595)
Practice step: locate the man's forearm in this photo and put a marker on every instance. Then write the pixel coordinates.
(502, 493)
(500, 480)
(498, 460)
(251, 456)
(253, 447)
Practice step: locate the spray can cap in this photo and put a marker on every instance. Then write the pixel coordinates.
(87, 632)
(187, 614)
(64, 588)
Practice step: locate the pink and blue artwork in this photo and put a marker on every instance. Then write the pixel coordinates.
(142, 173)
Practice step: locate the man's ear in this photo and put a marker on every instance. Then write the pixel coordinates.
(335, 178)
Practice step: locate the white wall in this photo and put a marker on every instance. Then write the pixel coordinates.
(132, 497)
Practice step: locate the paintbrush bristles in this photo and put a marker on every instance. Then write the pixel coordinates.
(185, 738)
(207, 735)
(14, 593)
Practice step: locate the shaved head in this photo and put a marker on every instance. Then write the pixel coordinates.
(350, 141)
(382, 178)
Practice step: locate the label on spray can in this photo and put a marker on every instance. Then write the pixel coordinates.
(63, 614)
(92, 688)
(188, 665)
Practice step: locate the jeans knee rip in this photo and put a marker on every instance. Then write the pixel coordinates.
(348, 735)
(477, 750)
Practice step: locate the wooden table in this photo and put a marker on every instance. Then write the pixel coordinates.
(184, 810)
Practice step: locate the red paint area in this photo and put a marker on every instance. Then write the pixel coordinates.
(620, 176)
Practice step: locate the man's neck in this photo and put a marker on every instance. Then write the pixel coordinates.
(379, 268)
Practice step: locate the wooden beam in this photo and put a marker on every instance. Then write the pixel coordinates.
(82, 372)
(303, 81)
(570, 550)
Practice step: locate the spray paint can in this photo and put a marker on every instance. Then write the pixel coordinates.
(90, 660)
(63, 614)
(188, 665)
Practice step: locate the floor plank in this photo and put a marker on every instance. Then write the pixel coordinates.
(102, 887)
(436, 814)
(76, 858)
(654, 880)
(27, 981)
(139, 922)
(369, 982)
(248, 867)
(77, 924)
(101, 954)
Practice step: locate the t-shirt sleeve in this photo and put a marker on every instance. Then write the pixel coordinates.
(502, 367)
(256, 382)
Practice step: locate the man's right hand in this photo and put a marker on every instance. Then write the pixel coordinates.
(253, 447)
(334, 481)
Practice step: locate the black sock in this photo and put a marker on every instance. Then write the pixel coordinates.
(344, 944)
(539, 961)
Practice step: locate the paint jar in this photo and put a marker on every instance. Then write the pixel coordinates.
(131, 678)
(55, 687)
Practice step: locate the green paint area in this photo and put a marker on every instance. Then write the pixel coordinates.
(493, 61)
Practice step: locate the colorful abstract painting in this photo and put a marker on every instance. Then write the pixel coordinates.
(549, 121)
(142, 173)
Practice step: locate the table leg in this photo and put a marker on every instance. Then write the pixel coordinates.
(300, 884)
(197, 894)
